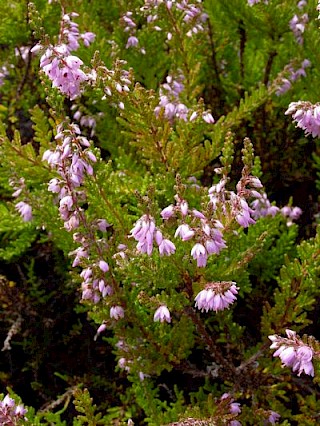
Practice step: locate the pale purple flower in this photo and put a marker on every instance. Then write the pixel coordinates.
(216, 296)
(103, 266)
(162, 314)
(293, 353)
(166, 247)
(262, 207)
(199, 253)
(184, 232)
(168, 212)
(207, 117)
(88, 38)
(307, 116)
(252, 2)
(100, 330)
(234, 406)
(116, 312)
(273, 417)
(132, 42)
(286, 83)
(10, 413)
(297, 25)
(25, 210)
(144, 233)
(184, 208)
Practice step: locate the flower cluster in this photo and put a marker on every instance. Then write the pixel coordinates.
(293, 352)
(233, 203)
(171, 105)
(169, 99)
(307, 116)
(130, 28)
(191, 15)
(72, 159)
(23, 207)
(10, 413)
(62, 68)
(262, 207)
(146, 233)
(233, 407)
(206, 231)
(285, 83)
(291, 214)
(297, 26)
(253, 2)
(216, 296)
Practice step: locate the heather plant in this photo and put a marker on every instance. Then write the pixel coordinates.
(138, 145)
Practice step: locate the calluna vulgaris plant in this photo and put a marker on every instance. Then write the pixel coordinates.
(143, 232)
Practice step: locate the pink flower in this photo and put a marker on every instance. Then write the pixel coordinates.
(184, 232)
(103, 266)
(273, 417)
(168, 212)
(144, 233)
(166, 247)
(116, 312)
(132, 42)
(162, 314)
(199, 253)
(216, 296)
(25, 210)
(293, 353)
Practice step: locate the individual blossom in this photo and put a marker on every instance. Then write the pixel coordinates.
(162, 314)
(166, 248)
(273, 417)
(216, 296)
(25, 210)
(293, 352)
(199, 253)
(116, 312)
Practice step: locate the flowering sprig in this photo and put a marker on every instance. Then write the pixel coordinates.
(190, 15)
(10, 413)
(297, 25)
(146, 233)
(307, 116)
(57, 62)
(293, 352)
(292, 73)
(216, 296)
(23, 207)
(73, 159)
